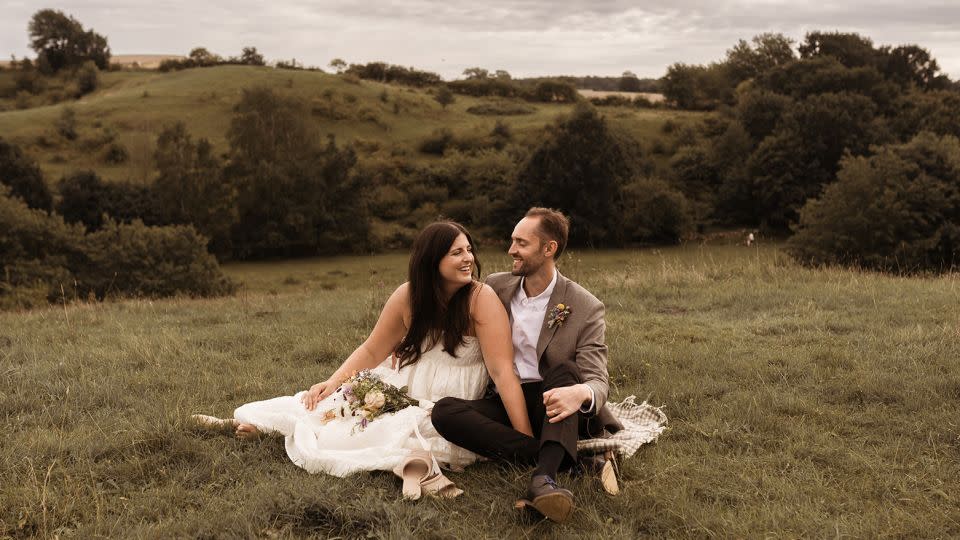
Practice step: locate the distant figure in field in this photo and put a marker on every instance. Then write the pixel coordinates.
(750, 239)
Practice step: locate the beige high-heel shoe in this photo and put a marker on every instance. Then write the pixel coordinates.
(439, 485)
(421, 475)
(414, 470)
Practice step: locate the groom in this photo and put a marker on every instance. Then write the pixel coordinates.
(561, 358)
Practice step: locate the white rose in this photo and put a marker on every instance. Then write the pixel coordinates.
(375, 400)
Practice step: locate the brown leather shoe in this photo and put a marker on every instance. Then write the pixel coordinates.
(546, 497)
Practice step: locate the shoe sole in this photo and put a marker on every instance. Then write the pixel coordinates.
(555, 506)
(608, 479)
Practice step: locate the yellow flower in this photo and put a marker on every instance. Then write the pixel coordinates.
(561, 307)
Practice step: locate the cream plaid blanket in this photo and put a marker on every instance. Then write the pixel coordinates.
(642, 424)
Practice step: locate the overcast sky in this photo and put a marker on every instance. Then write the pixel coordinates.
(524, 37)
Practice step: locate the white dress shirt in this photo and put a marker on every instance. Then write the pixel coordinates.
(526, 314)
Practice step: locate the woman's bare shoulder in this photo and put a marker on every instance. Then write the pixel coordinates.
(484, 300)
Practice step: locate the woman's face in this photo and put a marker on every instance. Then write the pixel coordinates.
(456, 267)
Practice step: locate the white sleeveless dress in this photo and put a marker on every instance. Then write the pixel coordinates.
(336, 447)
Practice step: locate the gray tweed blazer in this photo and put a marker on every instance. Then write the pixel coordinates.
(579, 339)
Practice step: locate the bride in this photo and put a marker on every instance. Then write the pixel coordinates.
(448, 335)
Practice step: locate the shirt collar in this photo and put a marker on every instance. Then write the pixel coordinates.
(546, 292)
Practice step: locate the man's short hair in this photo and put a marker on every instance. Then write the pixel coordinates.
(553, 226)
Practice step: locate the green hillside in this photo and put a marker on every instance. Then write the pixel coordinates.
(131, 107)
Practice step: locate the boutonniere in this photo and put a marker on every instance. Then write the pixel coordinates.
(557, 315)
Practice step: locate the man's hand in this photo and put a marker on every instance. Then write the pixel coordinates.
(564, 401)
(317, 393)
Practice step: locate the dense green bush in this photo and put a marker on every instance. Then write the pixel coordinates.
(504, 108)
(136, 260)
(654, 212)
(37, 253)
(554, 92)
(23, 177)
(389, 73)
(116, 154)
(898, 210)
(760, 111)
(486, 87)
(87, 78)
(85, 198)
(66, 124)
(436, 143)
(612, 100)
(42, 258)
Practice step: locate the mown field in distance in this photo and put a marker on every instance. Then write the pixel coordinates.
(802, 403)
(136, 105)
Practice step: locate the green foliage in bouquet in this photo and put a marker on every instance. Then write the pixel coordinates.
(367, 396)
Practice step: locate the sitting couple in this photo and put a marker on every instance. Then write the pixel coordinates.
(537, 335)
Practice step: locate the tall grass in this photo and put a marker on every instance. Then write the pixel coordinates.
(801, 402)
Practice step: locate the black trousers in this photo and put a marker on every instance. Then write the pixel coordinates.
(482, 425)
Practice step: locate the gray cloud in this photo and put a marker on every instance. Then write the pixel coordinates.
(526, 37)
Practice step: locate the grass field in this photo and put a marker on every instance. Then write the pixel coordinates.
(802, 403)
(134, 106)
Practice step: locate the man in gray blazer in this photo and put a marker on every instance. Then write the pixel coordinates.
(557, 330)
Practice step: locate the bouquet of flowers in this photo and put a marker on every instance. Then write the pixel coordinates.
(366, 396)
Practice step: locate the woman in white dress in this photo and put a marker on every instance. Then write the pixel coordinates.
(448, 335)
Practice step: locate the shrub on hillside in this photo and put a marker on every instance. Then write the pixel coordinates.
(116, 154)
(388, 73)
(898, 210)
(86, 199)
(23, 177)
(29, 82)
(504, 108)
(554, 92)
(37, 252)
(136, 260)
(486, 87)
(66, 124)
(87, 78)
(437, 142)
(654, 212)
(42, 258)
(612, 100)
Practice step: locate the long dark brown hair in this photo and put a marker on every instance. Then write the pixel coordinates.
(433, 315)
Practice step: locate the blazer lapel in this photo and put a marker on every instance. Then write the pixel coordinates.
(507, 292)
(546, 334)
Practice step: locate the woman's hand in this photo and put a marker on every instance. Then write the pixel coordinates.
(318, 392)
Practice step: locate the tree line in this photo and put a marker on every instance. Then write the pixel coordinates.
(859, 164)
(789, 126)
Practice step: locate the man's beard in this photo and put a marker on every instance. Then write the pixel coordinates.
(527, 267)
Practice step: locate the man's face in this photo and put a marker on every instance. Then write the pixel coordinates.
(526, 248)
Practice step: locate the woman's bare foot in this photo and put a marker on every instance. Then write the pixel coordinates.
(213, 423)
(246, 431)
